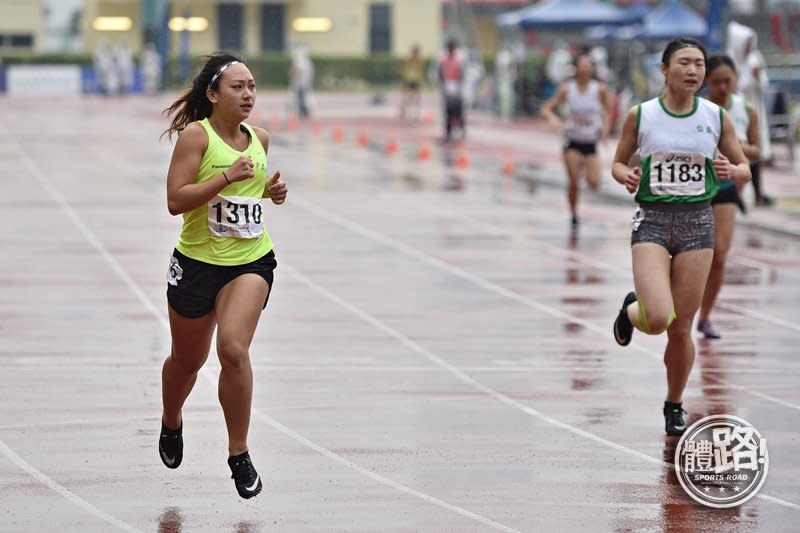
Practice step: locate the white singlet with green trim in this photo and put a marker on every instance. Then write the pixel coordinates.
(677, 151)
(737, 110)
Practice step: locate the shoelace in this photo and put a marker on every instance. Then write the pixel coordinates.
(674, 414)
(244, 467)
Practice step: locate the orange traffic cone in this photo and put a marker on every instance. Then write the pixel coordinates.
(392, 146)
(462, 161)
(363, 140)
(424, 152)
(338, 134)
(508, 163)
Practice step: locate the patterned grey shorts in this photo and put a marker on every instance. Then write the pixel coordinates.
(678, 227)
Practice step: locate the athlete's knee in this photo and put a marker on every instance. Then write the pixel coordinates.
(185, 365)
(680, 330)
(232, 353)
(655, 320)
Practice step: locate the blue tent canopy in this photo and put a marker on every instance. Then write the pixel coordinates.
(673, 19)
(560, 14)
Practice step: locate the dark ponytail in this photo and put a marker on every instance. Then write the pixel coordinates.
(193, 104)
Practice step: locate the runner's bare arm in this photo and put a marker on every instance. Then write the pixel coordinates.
(752, 148)
(275, 188)
(626, 147)
(183, 191)
(606, 100)
(548, 109)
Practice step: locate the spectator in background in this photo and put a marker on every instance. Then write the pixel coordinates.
(599, 56)
(123, 62)
(753, 84)
(150, 63)
(559, 66)
(301, 80)
(451, 77)
(473, 74)
(504, 79)
(105, 70)
(412, 74)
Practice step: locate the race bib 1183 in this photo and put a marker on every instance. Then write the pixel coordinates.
(677, 174)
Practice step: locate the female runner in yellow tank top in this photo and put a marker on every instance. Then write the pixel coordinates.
(220, 272)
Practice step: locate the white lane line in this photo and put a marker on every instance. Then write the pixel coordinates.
(193, 411)
(98, 245)
(759, 315)
(469, 380)
(510, 367)
(32, 471)
(495, 229)
(379, 478)
(424, 257)
(61, 490)
(44, 182)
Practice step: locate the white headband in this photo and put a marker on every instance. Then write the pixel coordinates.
(220, 71)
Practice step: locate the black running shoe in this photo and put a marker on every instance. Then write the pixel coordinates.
(623, 329)
(170, 446)
(247, 480)
(674, 423)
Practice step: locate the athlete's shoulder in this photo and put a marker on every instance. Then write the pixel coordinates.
(708, 104)
(194, 134)
(653, 102)
(261, 134)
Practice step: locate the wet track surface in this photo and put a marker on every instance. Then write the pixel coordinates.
(436, 354)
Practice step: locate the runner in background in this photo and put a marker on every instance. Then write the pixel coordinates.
(451, 77)
(587, 122)
(412, 75)
(721, 82)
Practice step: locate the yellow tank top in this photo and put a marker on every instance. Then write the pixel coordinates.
(229, 229)
(413, 70)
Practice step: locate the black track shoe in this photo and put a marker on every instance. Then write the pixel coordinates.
(247, 480)
(623, 329)
(170, 446)
(674, 424)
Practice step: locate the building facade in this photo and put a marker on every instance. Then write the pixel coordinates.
(21, 26)
(332, 28)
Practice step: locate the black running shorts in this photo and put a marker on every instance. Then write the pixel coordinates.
(583, 148)
(727, 195)
(192, 285)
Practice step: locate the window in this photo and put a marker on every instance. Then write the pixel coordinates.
(16, 40)
(380, 28)
(272, 28)
(230, 26)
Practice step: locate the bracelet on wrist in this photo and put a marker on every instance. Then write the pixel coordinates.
(226, 177)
